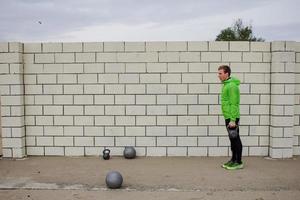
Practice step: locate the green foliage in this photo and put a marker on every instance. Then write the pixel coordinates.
(238, 32)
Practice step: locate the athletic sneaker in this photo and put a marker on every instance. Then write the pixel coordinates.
(235, 166)
(227, 164)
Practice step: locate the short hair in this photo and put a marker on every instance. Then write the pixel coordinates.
(225, 68)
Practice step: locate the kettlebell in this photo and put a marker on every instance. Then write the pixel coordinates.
(106, 155)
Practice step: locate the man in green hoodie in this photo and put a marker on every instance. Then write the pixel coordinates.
(230, 99)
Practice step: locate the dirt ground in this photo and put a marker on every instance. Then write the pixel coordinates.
(191, 178)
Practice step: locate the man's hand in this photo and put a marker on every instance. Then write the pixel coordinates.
(232, 124)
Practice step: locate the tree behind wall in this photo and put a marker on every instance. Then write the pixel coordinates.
(238, 32)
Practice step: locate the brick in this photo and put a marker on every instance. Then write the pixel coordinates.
(63, 99)
(43, 99)
(35, 151)
(66, 78)
(156, 88)
(177, 67)
(135, 89)
(64, 58)
(28, 59)
(260, 46)
(197, 131)
(47, 68)
(137, 57)
(156, 46)
(145, 120)
(198, 67)
(134, 46)
(106, 57)
(210, 56)
(114, 89)
(239, 46)
(156, 67)
(283, 57)
(231, 56)
(104, 99)
(44, 58)
(136, 131)
(156, 151)
(83, 120)
(187, 141)
(93, 67)
(44, 120)
(74, 151)
(73, 110)
(177, 89)
(53, 110)
(187, 120)
(114, 110)
(166, 141)
(94, 110)
(198, 110)
(145, 99)
(125, 99)
(93, 47)
(114, 68)
(33, 89)
(104, 120)
(166, 120)
(63, 120)
(168, 57)
(192, 78)
(49, 131)
(129, 78)
(46, 79)
(73, 68)
(52, 89)
(189, 56)
(135, 67)
(84, 141)
(72, 47)
(3, 47)
(52, 47)
(177, 110)
(176, 151)
(208, 99)
(15, 47)
(108, 78)
(197, 46)
(32, 47)
(87, 78)
(166, 99)
(93, 89)
(176, 46)
(73, 131)
(10, 79)
(73, 89)
(83, 99)
(114, 46)
(261, 67)
(125, 141)
(199, 88)
(252, 57)
(54, 151)
(278, 46)
(44, 141)
(93, 131)
(208, 120)
(145, 141)
(187, 99)
(156, 110)
(218, 46)
(104, 141)
(176, 131)
(114, 131)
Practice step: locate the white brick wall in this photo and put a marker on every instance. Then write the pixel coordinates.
(162, 97)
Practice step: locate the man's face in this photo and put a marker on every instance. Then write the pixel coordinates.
(222, 76)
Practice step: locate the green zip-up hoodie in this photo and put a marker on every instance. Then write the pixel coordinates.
(230, 99)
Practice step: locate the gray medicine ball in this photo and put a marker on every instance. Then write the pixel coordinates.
(114, 179)
(129, 152)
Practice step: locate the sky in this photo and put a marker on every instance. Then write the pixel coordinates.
(144, 20)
